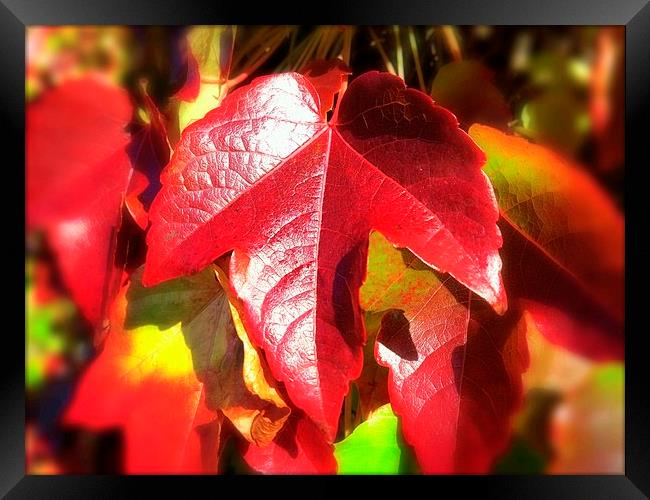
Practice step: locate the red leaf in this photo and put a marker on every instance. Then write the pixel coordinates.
(587, 332)
(156, 439)
(299, 448)
(565, 312)
(563, 244)
(296, 198)
(327, 77)
(77, 173)
(401, 131)
(496, 355)
(455, 381)
(137, 186)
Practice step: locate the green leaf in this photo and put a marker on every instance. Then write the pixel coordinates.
(212, 48)
(210, 95)
(375, 447)
(557, 119)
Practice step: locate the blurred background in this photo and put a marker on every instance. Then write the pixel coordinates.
(561, 87)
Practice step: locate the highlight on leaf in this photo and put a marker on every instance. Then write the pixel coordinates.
(290, 256)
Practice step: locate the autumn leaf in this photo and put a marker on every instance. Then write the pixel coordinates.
(455, 380)
(258, 423)
(295, 198)
(564, 244)
(173, 346)
(75, 136)
(143, 371)
(223, 358)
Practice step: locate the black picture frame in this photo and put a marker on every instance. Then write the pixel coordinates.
(15, 15)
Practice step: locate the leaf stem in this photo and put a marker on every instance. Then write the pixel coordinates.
(259, 57)
(347, 416)
(416, 58)
(345, 55)
(347, 44)
(451, 40)
(399, 52)
(389, 65)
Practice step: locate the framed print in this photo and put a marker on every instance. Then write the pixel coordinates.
(396, 241)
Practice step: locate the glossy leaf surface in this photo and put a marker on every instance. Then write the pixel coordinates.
(296, 198)
(454, 381)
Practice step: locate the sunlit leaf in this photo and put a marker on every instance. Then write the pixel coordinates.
(300, 256)
(455, 381)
